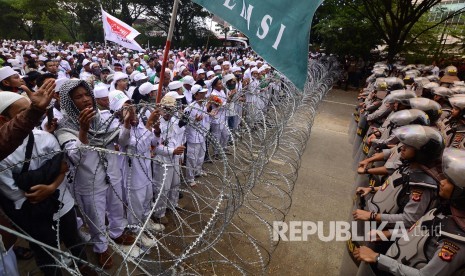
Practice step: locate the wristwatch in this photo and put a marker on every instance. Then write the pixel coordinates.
(377, 258)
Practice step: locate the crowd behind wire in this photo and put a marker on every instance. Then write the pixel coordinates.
(408, 135)
(105, 98)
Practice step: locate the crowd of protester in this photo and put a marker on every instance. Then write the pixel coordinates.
(61, 102)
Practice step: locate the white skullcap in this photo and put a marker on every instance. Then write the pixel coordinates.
(236, 69)
(101, 91)
(210, 73)
(146, 88)
(188, 80)
(255, 69)
(6, 72)
(85, 62)
(182, 68)
(200, 71)
(7, 99)
(119, 76)
(217, 67)
(226, 63)
(198, 89)
(139, 76)
(117, 99)
(228, 77)
(175, 85)
(174, 94)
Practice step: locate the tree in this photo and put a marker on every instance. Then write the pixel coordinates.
(343, 31)
(189, 18)
(394, 20)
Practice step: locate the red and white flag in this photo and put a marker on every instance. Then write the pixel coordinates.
(119, 32)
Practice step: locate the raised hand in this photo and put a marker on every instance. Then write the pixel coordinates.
(42, 97)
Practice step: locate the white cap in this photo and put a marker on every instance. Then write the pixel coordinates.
(228, 77)
(174, 94)
(146, 88)
(200, 71)
(255, 69)
(139, 77)
(188, 80)
(252, 63)
(198, 89)
(182, 68)
(236, 69)
(7, 99)
(210, 73)
(175, 85)
(119, 76)
(6, 72)
(226, 63)
(117, 99)
(217, 67)
(85, 62)
(101, 91)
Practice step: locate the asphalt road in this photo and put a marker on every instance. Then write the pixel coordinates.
(322, 193)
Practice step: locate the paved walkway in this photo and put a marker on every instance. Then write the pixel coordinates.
(322, 192)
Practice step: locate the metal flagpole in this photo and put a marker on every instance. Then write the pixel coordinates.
(167, 48)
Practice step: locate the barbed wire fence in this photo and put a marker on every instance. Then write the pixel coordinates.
(226, 225)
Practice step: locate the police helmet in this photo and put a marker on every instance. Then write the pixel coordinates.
(400, 96)
(430, 107)
(427, 142)
(443, 92)
(433, 78)
(394, 83)
(453, 166)
(458, 89)
(409, 117)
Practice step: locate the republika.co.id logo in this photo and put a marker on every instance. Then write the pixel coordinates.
(342, 231)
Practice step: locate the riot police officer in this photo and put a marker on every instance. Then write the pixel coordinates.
(435, 245)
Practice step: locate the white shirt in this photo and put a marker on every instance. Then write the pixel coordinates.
(137, 140)
(44, 144)
(171, 137)
(220, 117)
(63, 67)
(188, 95)
(90, 174)
(196, 131)
(85, 75)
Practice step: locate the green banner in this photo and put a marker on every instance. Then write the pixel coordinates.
(278, 30)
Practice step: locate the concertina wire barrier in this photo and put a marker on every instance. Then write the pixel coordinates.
(226, 226)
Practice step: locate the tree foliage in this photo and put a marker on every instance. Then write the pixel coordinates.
(79, 20)
(394, 20)
(343, 31)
